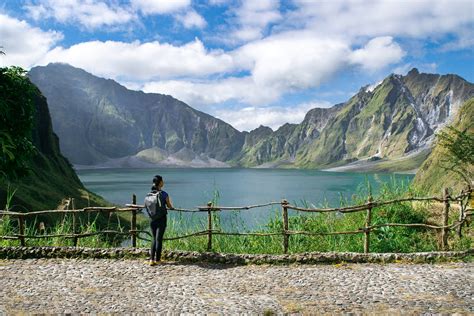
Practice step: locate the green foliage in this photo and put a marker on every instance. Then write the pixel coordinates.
(10, 194)
(16, 122)
(459, 152)
(434, 174)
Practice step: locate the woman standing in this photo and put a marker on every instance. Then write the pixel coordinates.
(158, 215)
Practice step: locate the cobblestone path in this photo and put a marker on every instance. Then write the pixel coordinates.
(124, 286)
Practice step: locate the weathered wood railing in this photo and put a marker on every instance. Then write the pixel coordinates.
(463, 199)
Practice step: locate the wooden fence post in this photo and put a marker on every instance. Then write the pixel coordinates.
(445, 231)
(21, 226)
(74, 220)
(368, 221)
(462, 208)
(133, 224)
(209, 227)
(284, 203)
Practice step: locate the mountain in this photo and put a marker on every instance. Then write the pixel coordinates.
(389, 125)
(100, 121)
(271, 149)
(396, 118)
(51, 177)
(432, 177)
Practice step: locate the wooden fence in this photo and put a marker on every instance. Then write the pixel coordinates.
(463, 199)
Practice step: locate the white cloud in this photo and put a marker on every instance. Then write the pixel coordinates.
(202, 93)
(192, 19)
(371, 18)
(464, 40)
(91, 14)
(305, 47)
(142, 61)
(150, 7)
(252, 18)
(23, 44)
(249, 118)
(377, 53)
(426, 68)
(293, 60)
(280, 64)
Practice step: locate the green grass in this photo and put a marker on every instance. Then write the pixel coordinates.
(387, 239)
(86, 223)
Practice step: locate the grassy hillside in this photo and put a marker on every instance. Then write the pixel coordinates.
(432, 177)
(50, 177)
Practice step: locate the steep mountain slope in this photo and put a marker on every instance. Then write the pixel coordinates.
(51, 177)
(397, 118)
(262, 145)
(99, 120)
(432, 177)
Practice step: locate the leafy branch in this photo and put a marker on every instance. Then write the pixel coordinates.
(459, 150)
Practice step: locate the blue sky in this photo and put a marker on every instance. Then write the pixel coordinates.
(247, 62)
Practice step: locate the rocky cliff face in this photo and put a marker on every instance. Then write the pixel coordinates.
(99, 121)
(262, 145)
(433, 176)
(51, 177)
(396, 118)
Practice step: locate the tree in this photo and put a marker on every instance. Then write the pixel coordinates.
(459, 152)
(16, 122)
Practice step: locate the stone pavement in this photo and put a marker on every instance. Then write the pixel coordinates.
(126, 286)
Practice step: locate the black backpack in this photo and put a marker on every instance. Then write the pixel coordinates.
(154, 206)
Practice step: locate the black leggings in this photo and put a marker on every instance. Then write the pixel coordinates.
(158, 230)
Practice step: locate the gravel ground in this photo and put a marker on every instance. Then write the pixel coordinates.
(126, 286)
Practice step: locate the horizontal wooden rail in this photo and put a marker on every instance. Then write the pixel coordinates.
(236, 208)
(83, 210)
(348, 209)
(370, 206)
(290, 232)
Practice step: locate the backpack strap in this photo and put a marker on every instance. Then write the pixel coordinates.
(146, 209)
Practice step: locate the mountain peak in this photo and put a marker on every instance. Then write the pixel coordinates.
(413, 72)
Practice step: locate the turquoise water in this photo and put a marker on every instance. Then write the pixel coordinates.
(189, 188)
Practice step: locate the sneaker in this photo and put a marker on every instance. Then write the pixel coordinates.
(152, 263)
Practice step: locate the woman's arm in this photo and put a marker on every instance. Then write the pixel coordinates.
(168, 203)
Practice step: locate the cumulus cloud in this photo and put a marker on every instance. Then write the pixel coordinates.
(278, 65)
(419, 18)
(249, 118)
(278, 51)
(192, 19)
(150, 7)
(377, 53)
(202, 93)
(142, 61)
(241, 90)
(91, 14)
(23, 44)
(252, 18)
(293, 60)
